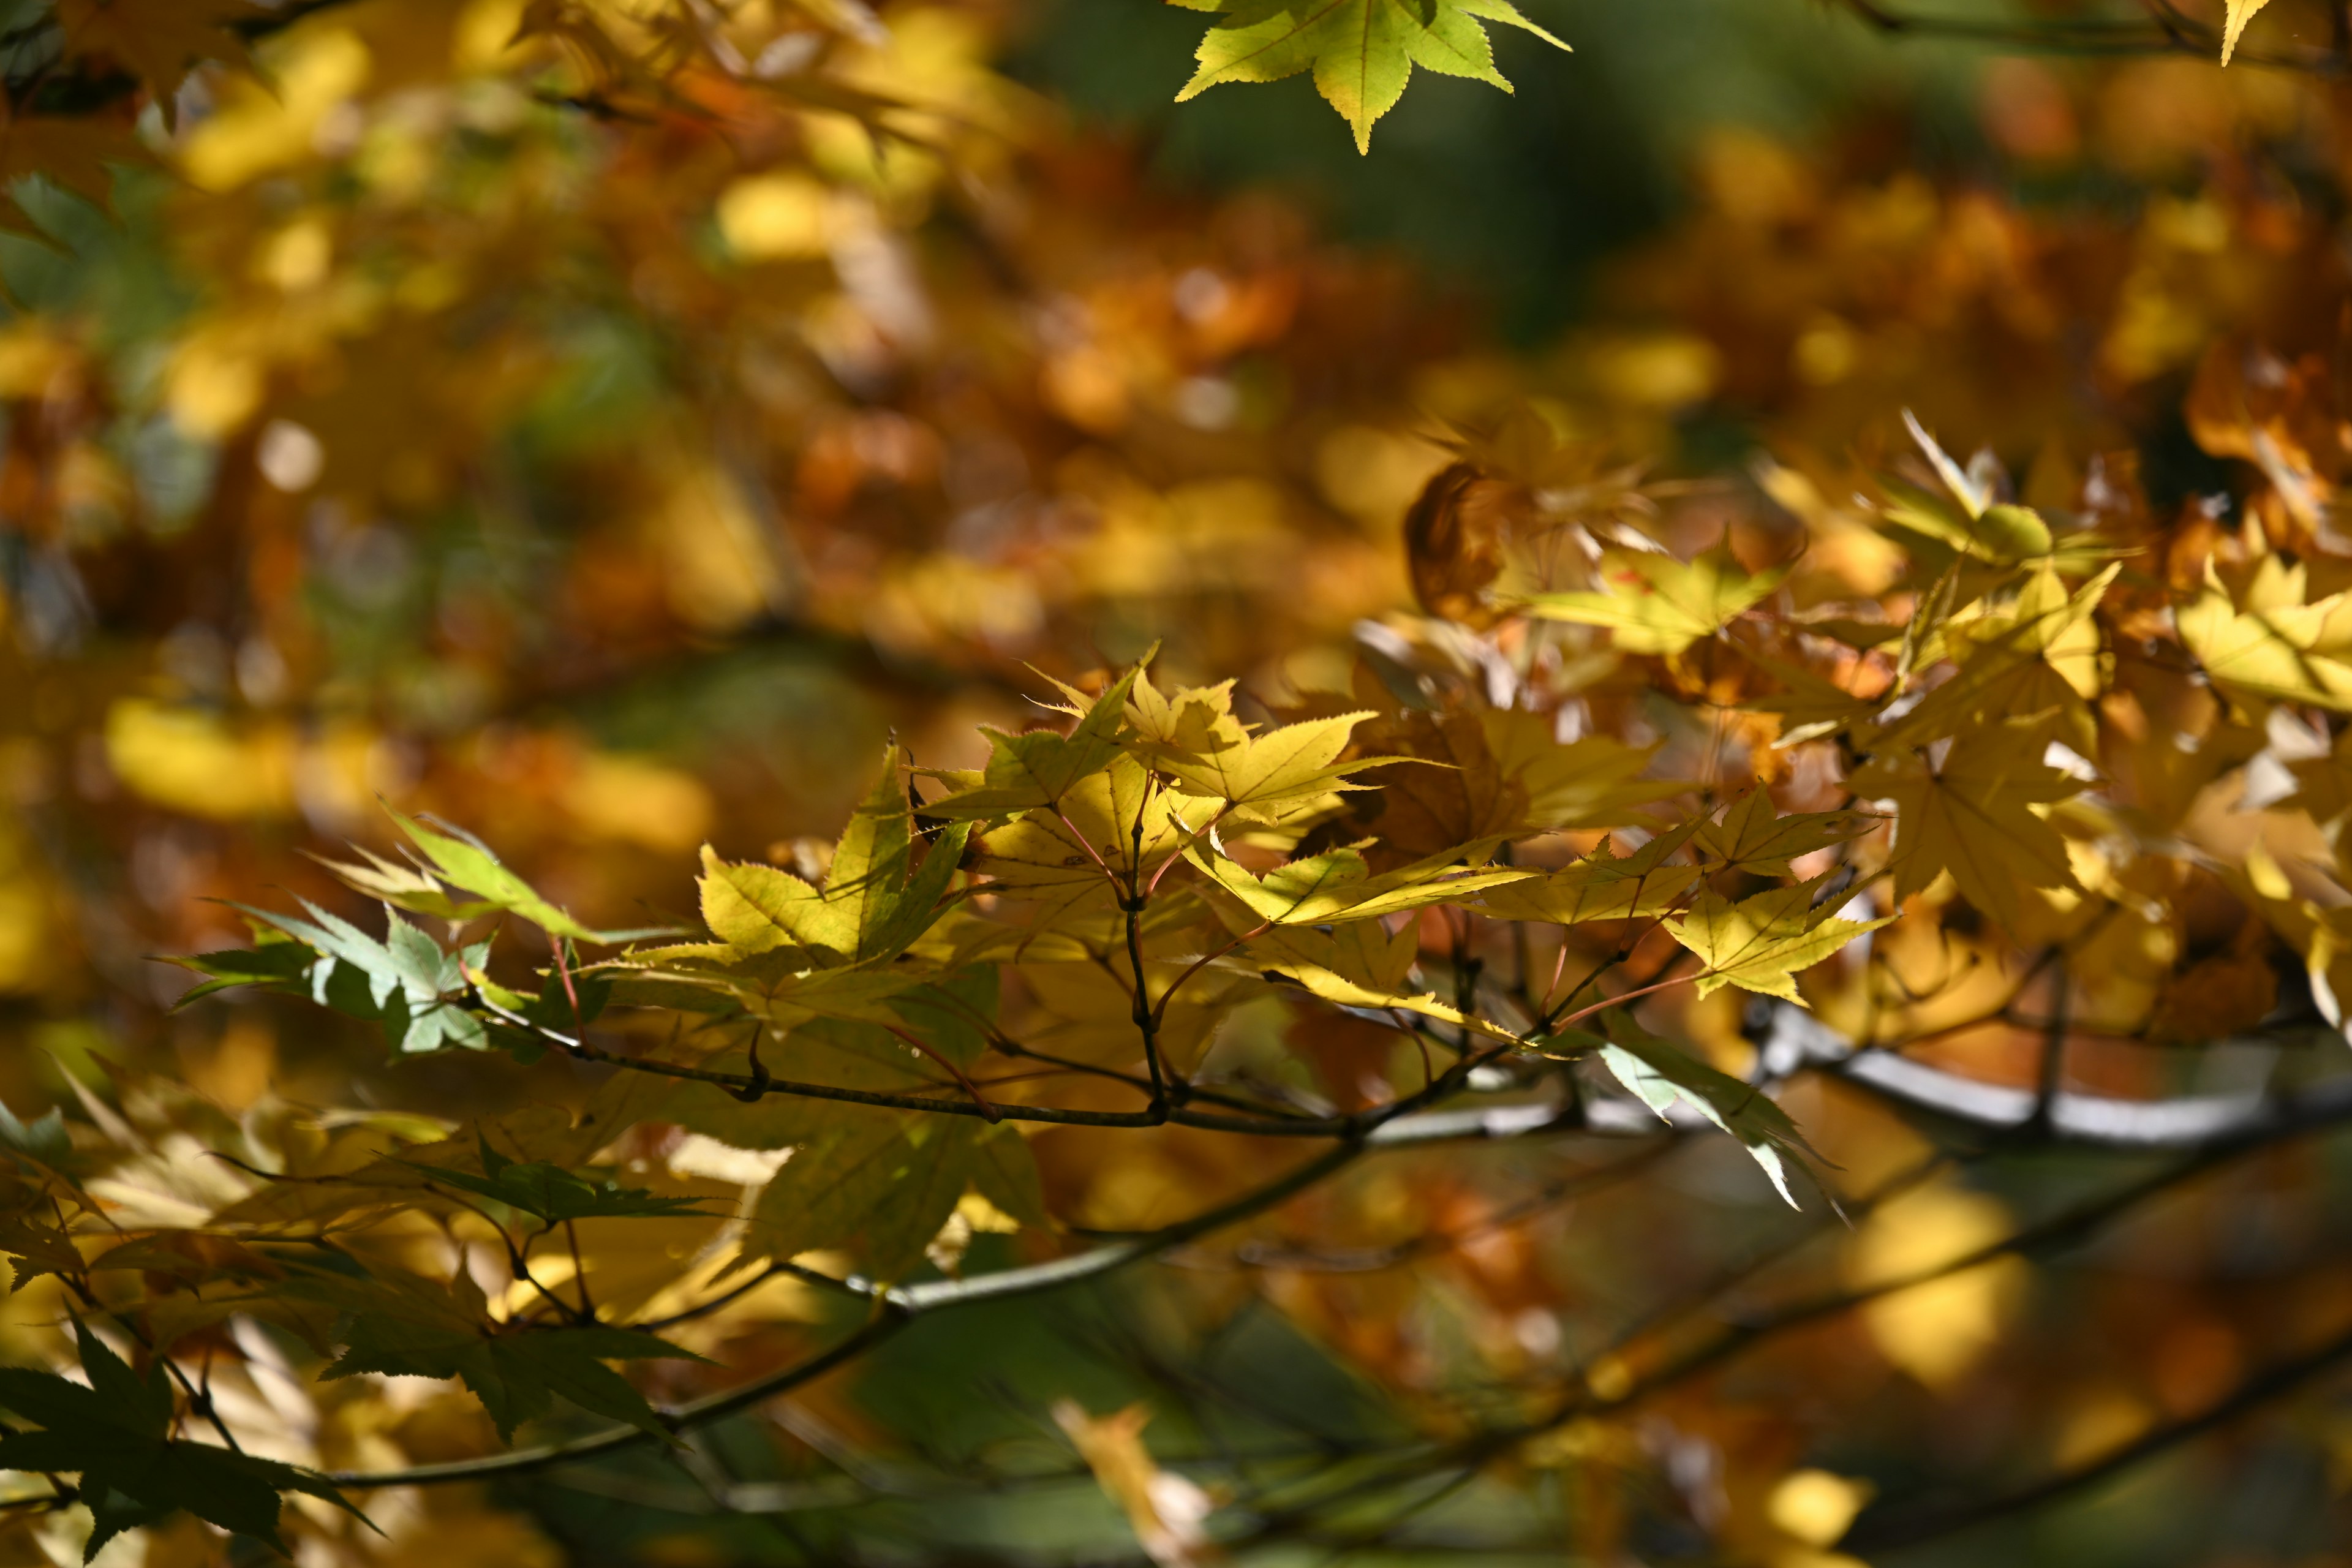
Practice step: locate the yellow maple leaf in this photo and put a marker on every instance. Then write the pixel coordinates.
(1359, 964)
(2268, 642)
(2234, 26)
(1338, 885)
(1760, 943)
(1753, 837)
(1662, 605)
(1058, 857)
(1039, 768)
(1602, 886)
(1293, 763)
(2041, 653)
(1965, 806)
(875, 901)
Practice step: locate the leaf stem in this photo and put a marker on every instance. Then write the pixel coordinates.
(986, 1108)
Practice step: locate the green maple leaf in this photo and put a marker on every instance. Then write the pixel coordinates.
(1659, 1073)
(407, 1327)
(551, 1192)
(1362, 52)
(115, 1433)
(406, 983)
(464, 862)
(878, 1183)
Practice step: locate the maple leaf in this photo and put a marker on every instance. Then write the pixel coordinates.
(1997, 533)
(46, 1138)
(1981, 528)
(1362, 52)
(1358, 964)
(1195, 737)
(1665, 605)
(406, 983)
(158, 41)
(1603, 886)
(1058, 857)
(1252, 774)
(1760, 942)
(1040, 767)
(464, 862)
(114, 1432)
(404, 887)
(2270, 643)
(1965, 806)
(405, 1326)
(2041, 654)
(79, 153)
(1504, 776)
(779, 986)
(33, 1229)
(875, 902)
(1659, 1073)
(551, 1193)
(1338, 884)
(1812, 704)
(883, 1182)
(2233, 24)
(1753, 837)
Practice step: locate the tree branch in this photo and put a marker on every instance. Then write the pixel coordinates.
(898, 1306)
(1898, 1531)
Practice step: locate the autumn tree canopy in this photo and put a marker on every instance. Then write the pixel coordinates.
(786, 782)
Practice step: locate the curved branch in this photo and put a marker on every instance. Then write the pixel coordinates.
(899, 1307)
(1795, 1039)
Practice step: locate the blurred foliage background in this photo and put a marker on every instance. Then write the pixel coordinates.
(610, 469)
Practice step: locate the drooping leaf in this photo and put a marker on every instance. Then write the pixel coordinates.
(881, 1184)
(1360, 964)
(114, 1433)
(1362, 52)
(1659, 1073)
